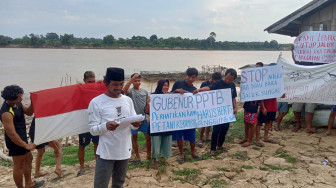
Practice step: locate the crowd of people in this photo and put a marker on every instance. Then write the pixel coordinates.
(113, 143)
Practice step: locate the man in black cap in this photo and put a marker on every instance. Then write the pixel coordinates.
(12, 117)
(115, 146)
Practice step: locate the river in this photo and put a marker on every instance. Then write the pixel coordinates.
(37, 69)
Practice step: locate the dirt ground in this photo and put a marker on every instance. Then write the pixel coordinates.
(296, 160)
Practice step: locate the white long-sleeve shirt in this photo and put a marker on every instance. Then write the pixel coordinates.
(113, 145)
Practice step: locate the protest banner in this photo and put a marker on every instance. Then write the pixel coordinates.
(62, 112)
(309, 84)
(315, 46)
(170, 112)
(261, 83)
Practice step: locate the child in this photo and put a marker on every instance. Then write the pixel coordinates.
(139, 97)
(250, 120)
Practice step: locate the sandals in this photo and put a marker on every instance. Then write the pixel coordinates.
(197, 157)
(296, 129)
(212, 153)
(180, 160)
(270, 141)
(325, 134)
(246, 144)
(242, 141)
(81, 172)
(311, 131)
(200, 144)
(259, 144)
(38, 183)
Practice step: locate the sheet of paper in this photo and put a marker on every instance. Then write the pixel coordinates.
(128, 120)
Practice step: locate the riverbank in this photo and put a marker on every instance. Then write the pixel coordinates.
(131, 48)
(295, 160)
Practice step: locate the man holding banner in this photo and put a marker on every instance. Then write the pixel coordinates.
(182, 86)
(115, 146)
(219, 131)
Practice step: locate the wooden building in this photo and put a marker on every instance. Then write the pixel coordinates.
(318, 15)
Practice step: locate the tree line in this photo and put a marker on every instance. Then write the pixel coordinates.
(53, 40)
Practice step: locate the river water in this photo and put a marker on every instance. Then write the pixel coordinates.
(37, 69)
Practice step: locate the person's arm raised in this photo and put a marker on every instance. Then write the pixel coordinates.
(128, 84)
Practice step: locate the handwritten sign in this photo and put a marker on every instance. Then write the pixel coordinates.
(315, 46)
(261, 83)
(170, 112)
(309, 84)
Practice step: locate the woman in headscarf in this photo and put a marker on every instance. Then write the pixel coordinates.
(161, 142)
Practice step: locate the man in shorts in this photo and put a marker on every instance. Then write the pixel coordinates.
(85, 138)
(55, 145)
(183, 86)
(12, 117)
(309, 109)
(139, 97)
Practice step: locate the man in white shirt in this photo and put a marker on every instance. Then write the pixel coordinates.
(115, 146)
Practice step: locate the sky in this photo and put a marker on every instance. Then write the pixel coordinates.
(231, 20)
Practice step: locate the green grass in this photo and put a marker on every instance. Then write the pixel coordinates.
(247, 167)
(6, 163)
(214, 181)
(283, 154)
(236, 129)
(256, 148)
(279, 168)
(223, 169)
(187, 175)
(70, 156)
(240, 155)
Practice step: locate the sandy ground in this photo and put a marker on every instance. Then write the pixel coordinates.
(296, 160)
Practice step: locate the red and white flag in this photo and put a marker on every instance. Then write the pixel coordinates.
(62, 112)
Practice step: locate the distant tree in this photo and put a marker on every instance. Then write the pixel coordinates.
(66, 39)
(274, 44)
(213, 35)
(211, 39)
(266, 44)
(4, 40)
(153, 38)
(52, 36)
(109, 39)
(33, 39)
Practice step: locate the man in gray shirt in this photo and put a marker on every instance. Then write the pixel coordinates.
(139, 97)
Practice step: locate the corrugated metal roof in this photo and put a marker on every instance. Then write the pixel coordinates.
(290, 25)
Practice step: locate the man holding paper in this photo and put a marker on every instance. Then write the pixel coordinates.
(106, 112)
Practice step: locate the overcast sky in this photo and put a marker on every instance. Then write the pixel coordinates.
(231, 20)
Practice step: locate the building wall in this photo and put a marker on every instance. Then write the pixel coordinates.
(324, 20)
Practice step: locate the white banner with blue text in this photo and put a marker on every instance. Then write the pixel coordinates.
(171, 112)
(309, 84)
(261, 83)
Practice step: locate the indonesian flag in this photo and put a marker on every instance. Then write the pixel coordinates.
(62, 112)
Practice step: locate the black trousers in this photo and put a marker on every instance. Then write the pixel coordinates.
(218, 135)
